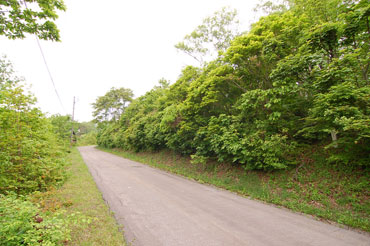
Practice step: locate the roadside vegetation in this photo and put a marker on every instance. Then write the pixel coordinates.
(47, 195)
(84, 197)
(40, 197)
(32, 160)
(84, 133)
(282, 113)
(299, 77)
(79, 196)
(87, 139)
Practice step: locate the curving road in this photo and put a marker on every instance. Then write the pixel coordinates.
(157, 208)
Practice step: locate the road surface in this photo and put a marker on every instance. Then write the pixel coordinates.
(158, 208)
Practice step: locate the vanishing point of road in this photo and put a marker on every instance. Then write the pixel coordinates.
(158, 208)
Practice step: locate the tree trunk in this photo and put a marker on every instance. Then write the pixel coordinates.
(334, 138)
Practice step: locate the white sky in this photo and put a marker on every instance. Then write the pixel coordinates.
(116, 44)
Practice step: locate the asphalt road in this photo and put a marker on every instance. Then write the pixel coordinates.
(157, 208)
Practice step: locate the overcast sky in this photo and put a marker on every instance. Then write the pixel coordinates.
(112, 43)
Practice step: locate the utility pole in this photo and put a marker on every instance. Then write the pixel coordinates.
(73, 117)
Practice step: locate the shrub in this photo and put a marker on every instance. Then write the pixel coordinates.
(22, 223)
(226, 139)
(87, 139)
(30, 156)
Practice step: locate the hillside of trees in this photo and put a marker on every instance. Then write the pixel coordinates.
(298, 78)
(296, 83)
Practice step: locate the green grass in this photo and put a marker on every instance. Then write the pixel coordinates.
(79, 195)
(329, 193)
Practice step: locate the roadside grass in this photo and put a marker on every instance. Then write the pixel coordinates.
(80, 196)
(330, 193)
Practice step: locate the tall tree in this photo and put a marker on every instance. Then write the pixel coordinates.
(62, 125)
(30, 16)
(300, 75)
(110, 106)
(213, 35)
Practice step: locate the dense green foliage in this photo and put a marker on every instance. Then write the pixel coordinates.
(87, 138)
(31, 159)
(112, 104)
(23, 223)
(30, 156)
(62, 125)
(87, 133)
(30, 16)
(299, 76)
(84, 132)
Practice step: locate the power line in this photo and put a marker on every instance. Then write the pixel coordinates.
(47, 67)
(51, 77)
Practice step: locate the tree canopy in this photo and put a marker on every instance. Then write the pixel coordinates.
(212, 36)
(112, 104)
(17, 18)
(299, 77)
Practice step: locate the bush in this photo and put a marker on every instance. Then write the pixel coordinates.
(254, 150)
(87, 139)
(22, 223)
(345, 111)
(30, 156)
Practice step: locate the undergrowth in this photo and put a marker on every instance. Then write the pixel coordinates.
(73, 214)
(80, 196)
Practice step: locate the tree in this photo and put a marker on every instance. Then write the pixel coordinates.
(215, 34)
(270, 7)
(110, 106)
(87, 133)
(30, 156)
(86, 127)
(18, 18)
(298, 77)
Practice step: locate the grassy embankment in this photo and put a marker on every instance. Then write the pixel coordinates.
(79, 195)
(327, 192)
